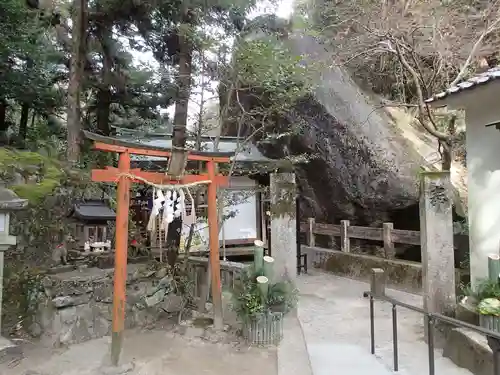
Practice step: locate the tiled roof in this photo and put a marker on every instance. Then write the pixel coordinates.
(480, 79)
(93, 210)
(249, 153)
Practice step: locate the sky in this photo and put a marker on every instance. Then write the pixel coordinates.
(282, 8)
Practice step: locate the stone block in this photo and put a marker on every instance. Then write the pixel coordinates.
(155, 298)
(67, 315)
(103, 292)
(377, 282)
(66, 301)
(230, 316)
(137, 293)
(172, 303)
(469, 350)
(161, 273)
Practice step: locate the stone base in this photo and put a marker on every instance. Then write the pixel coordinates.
(76, 306)
(9, 351)
(470, 350)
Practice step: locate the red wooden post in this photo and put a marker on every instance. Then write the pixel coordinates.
(122, 210)
(110, 174)
(214, 246)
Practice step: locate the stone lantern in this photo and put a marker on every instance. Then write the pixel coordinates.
(9, 202)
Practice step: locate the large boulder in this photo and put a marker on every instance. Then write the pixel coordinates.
(364, 166)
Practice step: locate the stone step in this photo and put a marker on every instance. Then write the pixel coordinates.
(9, 351)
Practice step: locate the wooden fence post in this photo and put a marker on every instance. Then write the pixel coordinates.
(388, 244)
(345, 242)
(311, 240)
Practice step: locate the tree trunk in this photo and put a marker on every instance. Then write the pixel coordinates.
(23, 122)
(447, 145)
(180, 121)
(199, 133)
(76, 72)
(4, 125)
(33, 118)
(104, 94)
(103, 110)
(184, 88)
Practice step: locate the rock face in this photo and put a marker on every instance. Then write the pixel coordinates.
(365, 170)
(368, 168)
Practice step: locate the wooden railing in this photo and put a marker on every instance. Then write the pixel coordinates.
(387, 234)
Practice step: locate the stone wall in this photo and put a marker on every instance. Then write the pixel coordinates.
(401, 274)
(76, 306)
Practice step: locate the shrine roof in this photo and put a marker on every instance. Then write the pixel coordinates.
(249, 153)
(93, 210)
(484, 78)
(147, 144)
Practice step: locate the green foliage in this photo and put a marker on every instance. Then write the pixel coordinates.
(22, 287)
(489, 306)
(487, 294)
(267, 64)
(248, 302)
(45, 171)
(29, 61)
(51, 190)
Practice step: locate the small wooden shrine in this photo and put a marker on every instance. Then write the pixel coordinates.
(246, 199)
(91, 222)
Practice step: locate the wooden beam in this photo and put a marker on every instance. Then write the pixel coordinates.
(112, 175)
(121, 249)
(213, 228)
(159, 153)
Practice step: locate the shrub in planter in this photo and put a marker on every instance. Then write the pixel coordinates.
(486, 298)
(261, 304)
(489, 314)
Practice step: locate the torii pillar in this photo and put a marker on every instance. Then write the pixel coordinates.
(125, 175)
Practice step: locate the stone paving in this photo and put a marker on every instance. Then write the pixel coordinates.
(328, 335)
(335, 320)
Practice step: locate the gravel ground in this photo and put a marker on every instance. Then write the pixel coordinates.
(153, 352)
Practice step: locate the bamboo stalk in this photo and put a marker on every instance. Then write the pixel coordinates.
(263, 285)
(493, 267)
(258, 256)
(268, 268)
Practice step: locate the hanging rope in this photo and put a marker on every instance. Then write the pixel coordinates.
(166, 186)
(159, 223)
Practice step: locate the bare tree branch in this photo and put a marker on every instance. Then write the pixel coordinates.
(430, 125)
(475, 48)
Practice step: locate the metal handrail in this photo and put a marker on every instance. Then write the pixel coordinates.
(431, 319)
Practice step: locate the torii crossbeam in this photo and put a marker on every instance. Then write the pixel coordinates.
(124, 176)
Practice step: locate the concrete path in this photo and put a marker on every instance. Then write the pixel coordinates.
(335, 320)
(328, 335)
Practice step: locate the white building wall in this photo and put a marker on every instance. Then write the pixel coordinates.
(483, 174)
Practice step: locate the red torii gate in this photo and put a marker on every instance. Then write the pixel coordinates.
(124, 176)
